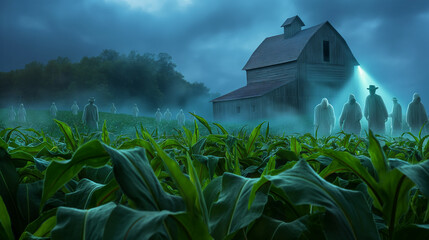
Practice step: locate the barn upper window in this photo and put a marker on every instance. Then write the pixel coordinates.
(238, 109)
(326, 51)
(253, 108)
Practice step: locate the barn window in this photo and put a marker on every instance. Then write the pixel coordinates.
(253, 108)
(326, 51)
(238, 109)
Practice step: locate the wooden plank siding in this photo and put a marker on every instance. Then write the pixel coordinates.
(250, 108)
(340, 54)
(283, 99)
(318, 78)
(321, 81)
(272, 73)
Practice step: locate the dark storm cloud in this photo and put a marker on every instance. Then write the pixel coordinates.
(210, 41)
(205, 39)
(389, 38)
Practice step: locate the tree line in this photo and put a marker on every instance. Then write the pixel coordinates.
(148, 79)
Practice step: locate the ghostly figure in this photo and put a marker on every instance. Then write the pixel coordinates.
(351, 116)
(375, 111)
(136, 110)
(75, 108)
(11, 114)
(113, 109)
(181, 118)
(90, 115)
(158, 116)
(396, 116)
(416, 114)
(167, 115)
(53, 110)
(22, 114)
(324, 118)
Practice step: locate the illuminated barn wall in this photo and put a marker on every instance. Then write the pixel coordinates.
(290, 72)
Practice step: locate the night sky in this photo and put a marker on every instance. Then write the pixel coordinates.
(211, 40)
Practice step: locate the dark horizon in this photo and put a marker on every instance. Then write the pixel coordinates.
(211, 41)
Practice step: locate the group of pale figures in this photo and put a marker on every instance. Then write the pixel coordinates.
(375, 112)
(90, 116)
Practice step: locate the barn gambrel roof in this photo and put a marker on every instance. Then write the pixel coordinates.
(277, 49)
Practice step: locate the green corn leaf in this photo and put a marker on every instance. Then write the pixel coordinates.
(270, 228)
(3, 144)
(68, 135)
(222, 129)
(252, 138)
(42, 225)
(303, 186)
(9, 182)
(5, 224)
(196, 134)
(186, 188)
(75, 223)
(202, 121)
(295, 146)
(58, 173)
(81, 197)
(138, 181)
(230, 212)
(345, 162)
(28, 200)
(200, 197)
(105, 134)
(419, 174)
(377, 155)
(127, 223)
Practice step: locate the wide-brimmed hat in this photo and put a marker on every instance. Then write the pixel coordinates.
(372, 87)
(91, 99)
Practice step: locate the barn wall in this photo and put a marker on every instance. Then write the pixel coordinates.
(318, 78)
(322, 80)
(276, 72)
(340, 53)
(250, 108)
(283, 99)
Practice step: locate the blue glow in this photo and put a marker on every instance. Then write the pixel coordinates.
(358, 86)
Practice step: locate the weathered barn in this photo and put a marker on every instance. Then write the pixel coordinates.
(290, 72)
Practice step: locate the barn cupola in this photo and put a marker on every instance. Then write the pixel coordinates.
(292, 26)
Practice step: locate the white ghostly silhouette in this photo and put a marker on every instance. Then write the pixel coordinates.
(158, 116)
(53, 110)
(90, 115)
(416, 114)
(396, 116)
(351, 116)
(167, 115)
(375, 111)
(324, 118)
(180, 118)
(22, 114)
(75, 108)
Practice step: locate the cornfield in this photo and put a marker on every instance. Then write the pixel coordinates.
(219, 185)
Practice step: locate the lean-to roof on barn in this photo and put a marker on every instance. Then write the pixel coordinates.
(252, 90)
